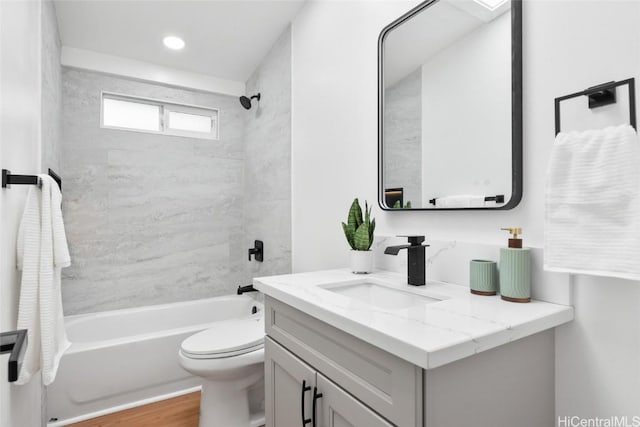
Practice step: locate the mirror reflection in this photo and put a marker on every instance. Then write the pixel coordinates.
(446, 111)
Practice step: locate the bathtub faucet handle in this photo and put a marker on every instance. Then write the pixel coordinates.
(257, 251)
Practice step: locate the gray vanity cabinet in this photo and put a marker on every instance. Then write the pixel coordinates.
(291, 385)
(361, 385)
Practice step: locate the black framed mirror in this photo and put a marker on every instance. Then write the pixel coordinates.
(450, 107)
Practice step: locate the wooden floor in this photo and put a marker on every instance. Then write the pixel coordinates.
(181, 411)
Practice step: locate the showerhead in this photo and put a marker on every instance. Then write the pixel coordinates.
(246, 102)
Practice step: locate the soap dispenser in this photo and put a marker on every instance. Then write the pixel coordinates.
(515, 269)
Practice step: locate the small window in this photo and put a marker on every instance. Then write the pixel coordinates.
(153, 116)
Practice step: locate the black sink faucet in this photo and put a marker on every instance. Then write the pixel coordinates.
(415, 259)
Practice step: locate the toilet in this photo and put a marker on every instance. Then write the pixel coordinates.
(229, 357)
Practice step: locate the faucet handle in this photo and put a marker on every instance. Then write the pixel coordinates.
(413, 240)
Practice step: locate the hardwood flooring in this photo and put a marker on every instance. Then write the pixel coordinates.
(181, 411)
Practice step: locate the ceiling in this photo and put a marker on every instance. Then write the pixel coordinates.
(224, 39)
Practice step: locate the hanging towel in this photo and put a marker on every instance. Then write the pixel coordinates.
(463, 201)
(42, 253)
(592, 204)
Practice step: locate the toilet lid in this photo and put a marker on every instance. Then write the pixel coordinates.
(230, 337)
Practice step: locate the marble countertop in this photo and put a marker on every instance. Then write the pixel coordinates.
(427, 335)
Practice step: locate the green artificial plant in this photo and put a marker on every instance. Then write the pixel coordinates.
(359, 231)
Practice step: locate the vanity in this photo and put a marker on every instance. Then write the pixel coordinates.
(352, 350)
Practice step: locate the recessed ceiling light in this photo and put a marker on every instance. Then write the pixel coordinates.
(173, 42)
(491, 4)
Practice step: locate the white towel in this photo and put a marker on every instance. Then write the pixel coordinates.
(42, 253)
(462, 201)
(592, 212)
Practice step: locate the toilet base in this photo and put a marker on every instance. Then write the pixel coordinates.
(257, 420)
(222, 404)
(226, 403)
(231, 388)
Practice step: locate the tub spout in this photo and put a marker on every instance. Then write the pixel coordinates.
(248, 288)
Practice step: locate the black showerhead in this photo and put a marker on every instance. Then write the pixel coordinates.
(246, 102)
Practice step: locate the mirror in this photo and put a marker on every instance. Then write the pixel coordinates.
(450, 107)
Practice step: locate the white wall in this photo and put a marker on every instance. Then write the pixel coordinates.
(568, 46)
(20, 112)
(333, 129)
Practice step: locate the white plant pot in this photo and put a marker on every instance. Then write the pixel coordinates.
(361, 262)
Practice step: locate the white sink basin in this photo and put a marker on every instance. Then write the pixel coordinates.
(380, 295)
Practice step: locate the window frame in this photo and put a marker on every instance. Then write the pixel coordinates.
(165, 107)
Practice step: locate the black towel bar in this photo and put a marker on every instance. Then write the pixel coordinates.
(9, 179)
(498, 199)
(599, 96)
(14, 342)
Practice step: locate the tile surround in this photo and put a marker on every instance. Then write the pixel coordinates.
(154, 219)
(267, 159)
(149, 218)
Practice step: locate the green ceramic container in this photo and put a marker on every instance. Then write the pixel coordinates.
(483, 277)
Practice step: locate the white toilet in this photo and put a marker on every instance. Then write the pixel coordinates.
(229, 357)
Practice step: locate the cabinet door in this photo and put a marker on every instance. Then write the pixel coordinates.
(337, 408)
(286, 402)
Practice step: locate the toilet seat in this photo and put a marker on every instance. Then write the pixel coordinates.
(226, 339)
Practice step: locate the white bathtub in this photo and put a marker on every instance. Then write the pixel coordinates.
(125, 358)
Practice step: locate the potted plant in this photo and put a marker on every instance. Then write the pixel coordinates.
(359, 234)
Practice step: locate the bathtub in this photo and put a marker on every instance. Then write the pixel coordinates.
(125, 358)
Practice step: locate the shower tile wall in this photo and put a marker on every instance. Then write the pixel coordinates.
(403, 137)
(267, 208)
(150, 219)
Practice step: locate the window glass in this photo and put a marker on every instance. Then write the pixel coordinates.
(189, 122)
(131, 115)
